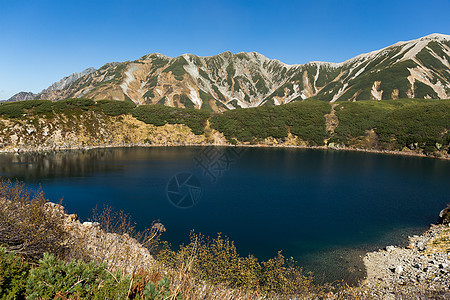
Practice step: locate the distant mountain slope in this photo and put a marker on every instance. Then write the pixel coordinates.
(21, 96)
(414, 69)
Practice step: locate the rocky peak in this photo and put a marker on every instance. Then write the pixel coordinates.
(66, 81)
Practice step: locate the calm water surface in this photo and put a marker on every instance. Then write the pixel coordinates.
(324, 208)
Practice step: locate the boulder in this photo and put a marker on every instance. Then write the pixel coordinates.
(444, 216)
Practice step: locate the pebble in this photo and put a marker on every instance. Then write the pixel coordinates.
(390, 248)
(398, 269)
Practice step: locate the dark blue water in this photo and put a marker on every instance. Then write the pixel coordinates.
(324, 208)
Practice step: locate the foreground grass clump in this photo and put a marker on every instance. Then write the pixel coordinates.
(216, 261)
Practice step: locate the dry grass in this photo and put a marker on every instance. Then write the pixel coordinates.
(440, 243)
(27, 226)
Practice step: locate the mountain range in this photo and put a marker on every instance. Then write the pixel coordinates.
(413, 69)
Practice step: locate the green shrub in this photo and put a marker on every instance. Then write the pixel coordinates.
(397, 123)
(304, 119)
(80, 103)
(114, 107)
(12, 110)
(160, 115)
(160, 290)
(54, 278)
(19, 108)
(14, 272)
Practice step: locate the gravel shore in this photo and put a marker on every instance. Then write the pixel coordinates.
(421, 268)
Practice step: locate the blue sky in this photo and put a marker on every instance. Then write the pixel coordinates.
(43, 41)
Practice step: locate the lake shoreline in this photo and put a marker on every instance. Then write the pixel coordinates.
(419, 265)
(144, 145)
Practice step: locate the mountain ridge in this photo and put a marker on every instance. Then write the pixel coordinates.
(408, 69)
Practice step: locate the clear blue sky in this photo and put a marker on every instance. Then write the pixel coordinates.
(43, 41)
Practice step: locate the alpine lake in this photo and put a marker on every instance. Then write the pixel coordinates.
(325, 208)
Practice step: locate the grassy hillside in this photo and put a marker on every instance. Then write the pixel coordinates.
(420, 126)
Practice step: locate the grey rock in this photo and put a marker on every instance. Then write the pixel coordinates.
(66, 81)
(421, 245)
(398, 269)
(390, 248)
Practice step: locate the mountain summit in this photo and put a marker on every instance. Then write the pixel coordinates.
(413, 69)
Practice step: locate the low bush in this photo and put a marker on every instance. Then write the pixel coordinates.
(421, 125)
(114, 107)
(28, 226)
(73, 105)
(14, 271)
(20, 108)
(54, 279)
(217, 261)
(304, 119)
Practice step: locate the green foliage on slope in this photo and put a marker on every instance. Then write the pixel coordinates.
(55, 278)
(52, 278)
(159, 115)
(14, 271)
(20, 108)
(115, 108)
(177, 68)
(417, 124)
(305, 119)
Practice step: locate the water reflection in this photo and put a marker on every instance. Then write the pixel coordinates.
(34, 166)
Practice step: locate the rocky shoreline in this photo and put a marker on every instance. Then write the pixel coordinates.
(422, 266)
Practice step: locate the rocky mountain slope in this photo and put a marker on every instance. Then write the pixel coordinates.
(21, 96)
(414, 69)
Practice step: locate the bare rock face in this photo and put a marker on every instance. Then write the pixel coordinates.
(66, 81)
(119, 251)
